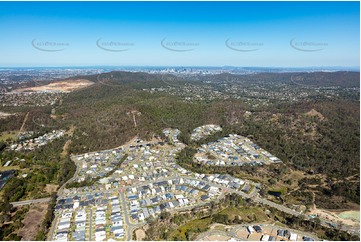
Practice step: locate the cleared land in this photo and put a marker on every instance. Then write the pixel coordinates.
(5, 115)
(354, 215)
(140, 234)
(32, 220)
(314, 113)
(50, 188)
(347, 217)
(217, 237)
(61, 86)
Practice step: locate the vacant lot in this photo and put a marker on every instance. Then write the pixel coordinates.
(353, 215)
(61, 86)
(347, 217)
(217, 237)
(50, 188)
(32, 220)
(140, 234)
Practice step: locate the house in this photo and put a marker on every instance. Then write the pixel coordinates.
(250, 229)
(117, 229)
(133, 197)
(151, 211)
(175, 203)
(271, 238)
(293, 237)
(234, 185)
(206, 187)
(180, 196)
(305, 238)
(157, 209)
(79, 235)
(280, 232)
(257, 228)
(246, 188)
(119, 235)
(84, 203)
(265, 237)
(145, 212)
(141, 216)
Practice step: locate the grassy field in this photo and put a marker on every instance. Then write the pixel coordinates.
(8, 135)
(350, 215)
(6, 168)
(247, 214)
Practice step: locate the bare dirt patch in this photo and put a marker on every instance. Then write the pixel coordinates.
(65, 148)
(333, 216)
(140, 234)
(50, 188)
(70, 132)
(217, 237)
(314, 113)
(5, 115)
(33, 218)
(60, 86)
(24, 122)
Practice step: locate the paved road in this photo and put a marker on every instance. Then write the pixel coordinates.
(60, 191)
(53, 226)
(90, 224)
(27, 202)
(277, 206)
(126, 217)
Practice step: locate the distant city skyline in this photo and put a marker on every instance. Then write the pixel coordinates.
(177, 34)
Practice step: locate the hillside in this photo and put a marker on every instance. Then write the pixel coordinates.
(319, 135)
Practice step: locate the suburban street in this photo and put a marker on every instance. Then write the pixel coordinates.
(90, 224)
(126, 217)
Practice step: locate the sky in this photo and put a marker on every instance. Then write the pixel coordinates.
(259, 34)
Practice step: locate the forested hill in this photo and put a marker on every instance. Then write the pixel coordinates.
(328, 79)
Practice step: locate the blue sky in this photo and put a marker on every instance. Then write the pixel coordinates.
(274, 34)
